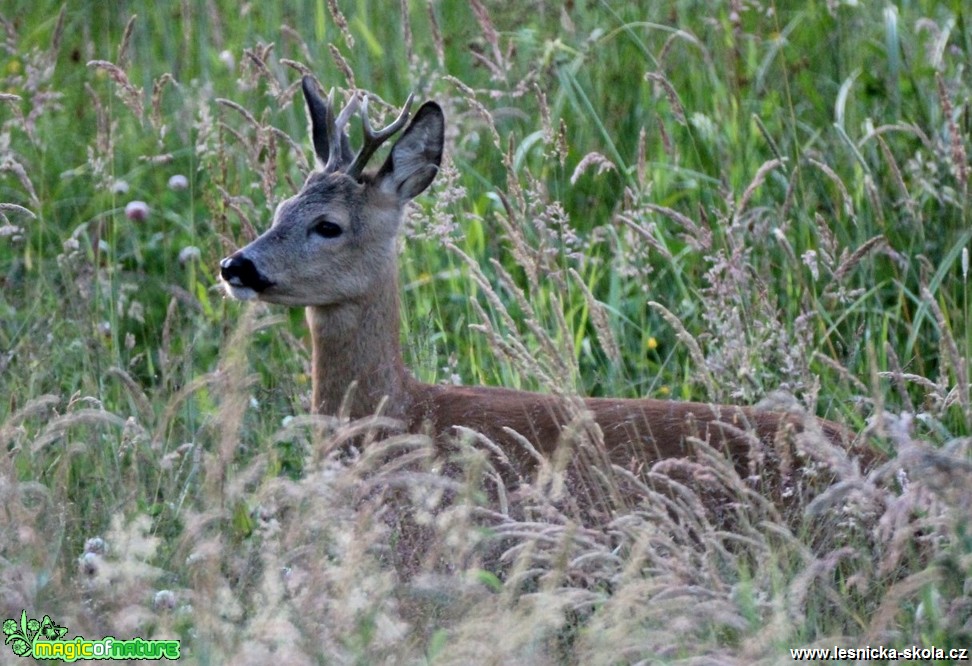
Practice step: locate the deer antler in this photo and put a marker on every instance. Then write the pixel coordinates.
(373, 139)
(337, 140)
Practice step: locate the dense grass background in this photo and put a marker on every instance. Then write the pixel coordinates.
(709, 201)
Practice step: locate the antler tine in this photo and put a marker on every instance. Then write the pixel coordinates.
(337, 139)
(347, 112)
(373, 139)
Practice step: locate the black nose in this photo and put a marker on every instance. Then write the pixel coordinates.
(239, 271)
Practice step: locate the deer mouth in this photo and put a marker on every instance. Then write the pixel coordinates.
(239, 293)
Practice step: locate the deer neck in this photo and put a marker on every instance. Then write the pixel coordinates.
(356, 359)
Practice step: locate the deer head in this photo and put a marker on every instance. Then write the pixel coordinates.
(334, 241)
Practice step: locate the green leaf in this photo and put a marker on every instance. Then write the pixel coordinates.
(489, 579)
(242, 522)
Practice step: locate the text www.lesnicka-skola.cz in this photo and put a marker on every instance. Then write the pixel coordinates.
(879, 652)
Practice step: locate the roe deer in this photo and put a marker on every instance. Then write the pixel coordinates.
(332, 249)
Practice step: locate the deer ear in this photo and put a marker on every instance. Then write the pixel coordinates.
(320, 114)
(414, 159)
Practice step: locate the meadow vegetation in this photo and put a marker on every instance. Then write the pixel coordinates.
(732, 202)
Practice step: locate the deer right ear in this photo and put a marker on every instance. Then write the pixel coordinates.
(321, 120)
(318, 114)
(414, 159)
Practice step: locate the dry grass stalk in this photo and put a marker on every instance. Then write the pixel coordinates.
(696, 235)
(123, 50)
(674, 102)
(437, 40)
(599, 317)
(848, 204)
(898, 179)
(758, 180)
(130, 95)
(960, 162)
(341, 22)
(342, 66)
(693, 346)
(848, 264)
(956, 359)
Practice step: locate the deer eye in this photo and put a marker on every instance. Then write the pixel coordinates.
(325, 228)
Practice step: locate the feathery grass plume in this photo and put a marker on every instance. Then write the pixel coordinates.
(553, 345)
(437, 40)
(499, 66)
(12, 432)
(135, 391)
(440, 222)
(232, 382)
(256, 60)
(592, 159)
(58, 426)
(239, 205)
(673, 101)
(128, 93)
(849, 262)
(249, 117)
(545, 118)
(32, 534)
(267, 141)
(406, 31)
(342, 66)
(599, 318)
(758, 180)
(469, 97)
(556, 369)
(848, 204)
(515, 352)
(13, 102)
(35, 80)
(844, 373)
(515, 233)
(165, 350)
(341, 22)
(296, 151)
(690, 342)
(155, 117)
(879, 626)
(305, 53)
(123, 50)
(15, 208)
(649, 233)
(641, 164)
(14, 166)
(563, 146)
(960, 161)
(935, 48)
(816, 573)
(906, 198)
(898, 377)
(956, 360)
(124, 574)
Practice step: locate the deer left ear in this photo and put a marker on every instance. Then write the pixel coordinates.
(415, 158)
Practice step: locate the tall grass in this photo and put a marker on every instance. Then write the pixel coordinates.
(719, 202)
